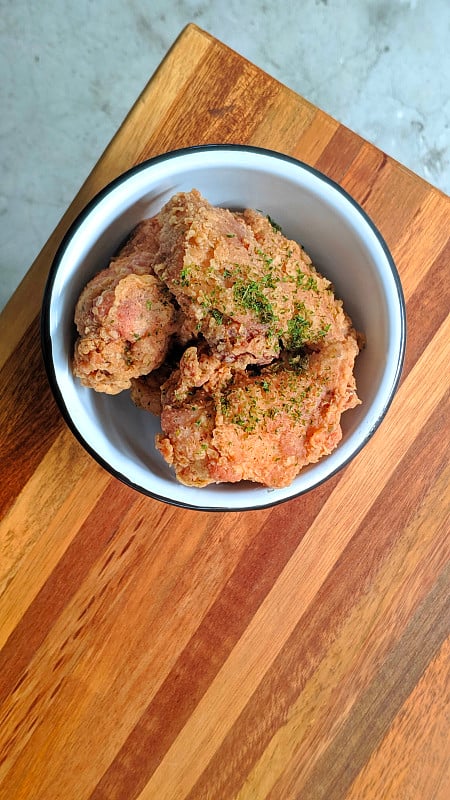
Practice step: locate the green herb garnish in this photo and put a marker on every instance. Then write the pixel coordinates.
(185, 275)
(306, 281)
(217, 316)
(323, 331)
(250, 296)
(299, 328)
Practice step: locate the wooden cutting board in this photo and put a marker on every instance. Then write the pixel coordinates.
(297, 652)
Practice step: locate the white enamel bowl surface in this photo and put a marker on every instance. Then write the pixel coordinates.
(344, 245)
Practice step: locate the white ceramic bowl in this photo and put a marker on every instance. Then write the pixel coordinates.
(344, 245)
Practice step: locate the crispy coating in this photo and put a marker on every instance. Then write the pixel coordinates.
(264, 426)
(221, 325)
(243, 285)
(145, 391)
(125, 317)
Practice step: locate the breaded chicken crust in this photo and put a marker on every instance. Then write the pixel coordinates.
(242, 285)
(262, 426)
(125, 317)
(221, 325)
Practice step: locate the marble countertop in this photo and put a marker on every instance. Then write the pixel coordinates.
(71, 71)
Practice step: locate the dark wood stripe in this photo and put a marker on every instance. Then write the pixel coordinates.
(339, 153)
(370, 718)
(98, 529)
(30, 421)
(259, 567)
(362, 174)
(352, 576)
(368, 189)
(427, 308)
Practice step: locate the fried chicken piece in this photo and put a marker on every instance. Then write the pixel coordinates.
(145, 391)
(242, 284)
(262, 426)
(195, 367)
(125, 317)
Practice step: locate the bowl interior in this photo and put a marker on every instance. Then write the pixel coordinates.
(343, 245)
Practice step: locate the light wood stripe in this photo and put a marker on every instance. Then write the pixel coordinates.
(290, 127)
(382, 698)
(284, 605)
(423, 239)
(314, 140)
(419, 730)
(42, 523)
(430, 304)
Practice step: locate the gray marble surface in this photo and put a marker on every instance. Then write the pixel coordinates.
(71, 69)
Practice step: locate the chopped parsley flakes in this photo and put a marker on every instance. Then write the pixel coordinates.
(249, 295)
(299, 328)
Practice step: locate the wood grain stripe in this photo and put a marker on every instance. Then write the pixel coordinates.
(390, 196)
(76, 562)
(29, 421)
(427, 308)
(394, 200)
(368, 721)
(339, 154)
(313, 140)
(290, 127)
(363, 172)
(42, 523)
(417, 735)
(355, 574)
(422, 240)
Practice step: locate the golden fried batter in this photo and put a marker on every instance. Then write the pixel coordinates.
(125, 318)
(263, 365)
(262, 426)
(145, 391)
(243, 285)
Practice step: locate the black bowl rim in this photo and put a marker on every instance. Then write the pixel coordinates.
(46, 343)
